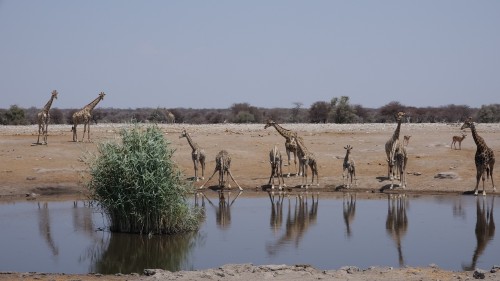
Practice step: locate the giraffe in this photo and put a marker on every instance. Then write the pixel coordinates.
(290, 143)
(83, 116)
(391, 144)
(307, 158)
(458, 139)
(198, 155)
(222, 165)
(349, 210)
(276, 168)
(484, 159)
(406, 140)
(170, 117)
(349, 167)
(400, 161)
(44, 118)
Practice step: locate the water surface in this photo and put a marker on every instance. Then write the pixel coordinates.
(454, 232)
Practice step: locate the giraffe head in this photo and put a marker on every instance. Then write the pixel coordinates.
(348, 148)
(54, 94)
(183, 134)
(467, 124)
(399, 116)
(101, 95)
(269, 123)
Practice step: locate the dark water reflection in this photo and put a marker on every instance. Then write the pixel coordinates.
(329, 231)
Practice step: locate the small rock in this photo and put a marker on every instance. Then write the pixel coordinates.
(446, 175)
(417, 173)
(149, 272)
(30, 178)
(478, 274)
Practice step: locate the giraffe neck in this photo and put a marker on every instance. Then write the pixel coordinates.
(477, 138)
(193, 145)
(347, 157)
(46, 108)
(395, 136)
(282, 131)
(93, 104)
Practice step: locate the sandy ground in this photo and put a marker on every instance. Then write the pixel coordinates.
(57, 170)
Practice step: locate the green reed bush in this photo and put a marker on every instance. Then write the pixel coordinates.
(139, 186)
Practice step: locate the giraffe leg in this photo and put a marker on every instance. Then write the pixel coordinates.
(46, 132)
(195, 164)
(39, 131)
(88, 133)
(203, 185)
(492, 164)
(75, 136)
(231, 175)
(202, 162)
(478, 177)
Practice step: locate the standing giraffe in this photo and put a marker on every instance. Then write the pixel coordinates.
(198, 155)
(44, 118)
(222, 165)
(83, 116)
(391, 144)
(307, 158)
(276, 168)
(400, 161)
(484, 159)
(348, 166)
(290, 143)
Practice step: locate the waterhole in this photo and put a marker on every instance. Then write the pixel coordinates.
(328, 232)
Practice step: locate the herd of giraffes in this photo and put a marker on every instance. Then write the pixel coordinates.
(397, 157)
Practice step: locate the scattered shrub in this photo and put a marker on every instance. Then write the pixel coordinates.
(138, 185)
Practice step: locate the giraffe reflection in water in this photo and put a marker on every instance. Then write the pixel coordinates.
(44, 227)
(297, 223)
(349, 211)
(223, 209)
(485, 229)
(397, 221)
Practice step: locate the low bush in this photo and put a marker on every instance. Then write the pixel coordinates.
(138, 185)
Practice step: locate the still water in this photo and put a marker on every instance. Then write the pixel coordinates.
(453, 232)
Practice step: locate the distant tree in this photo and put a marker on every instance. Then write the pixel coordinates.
(341, 111)
(489, 113)
(248, 113)
(15, 116)
(296, 111)
(31, 115)
(69, 116)
(159, 115)
(56, 116)
(387, 112)
(318, 112)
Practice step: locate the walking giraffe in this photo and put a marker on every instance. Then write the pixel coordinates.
(198, 155)
(222, 165)
(484, 158)
(83, 116)
(290, 143)
(391, 144)
(43, 118)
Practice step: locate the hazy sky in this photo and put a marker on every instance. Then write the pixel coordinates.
(211, 54)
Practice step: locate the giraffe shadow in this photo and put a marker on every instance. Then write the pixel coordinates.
(383, 178)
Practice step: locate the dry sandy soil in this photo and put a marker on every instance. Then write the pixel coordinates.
(57, 170)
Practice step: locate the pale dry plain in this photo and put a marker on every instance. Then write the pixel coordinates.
(57, 171)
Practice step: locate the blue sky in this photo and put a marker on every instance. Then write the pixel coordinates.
(211, 54)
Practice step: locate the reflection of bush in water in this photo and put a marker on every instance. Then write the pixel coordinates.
(134, 253)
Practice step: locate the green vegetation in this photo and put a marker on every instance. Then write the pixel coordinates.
(138, 185)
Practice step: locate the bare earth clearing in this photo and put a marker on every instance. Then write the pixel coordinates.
(57, 171)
